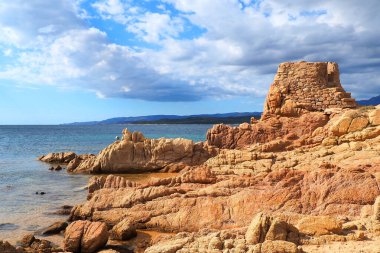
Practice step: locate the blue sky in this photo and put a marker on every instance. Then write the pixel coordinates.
(81, 60)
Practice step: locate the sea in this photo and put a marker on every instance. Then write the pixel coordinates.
(22, 211)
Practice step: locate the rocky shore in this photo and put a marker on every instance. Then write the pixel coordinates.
(303, 178)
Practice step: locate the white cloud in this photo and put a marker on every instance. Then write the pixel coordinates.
(153, 27)
(7, 52)
(111, 9)
(203, 48)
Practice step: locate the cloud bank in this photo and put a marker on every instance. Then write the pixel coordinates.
(184, 50)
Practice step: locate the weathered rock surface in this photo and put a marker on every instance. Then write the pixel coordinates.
(6, 247)
(298, 187)
(55, 228)
(62, 157)
(294, 132)
(319, 225)
(301, 87)
(124, 230)
(376, 209)
(263, 228)
(110, 181)
(307, 173)
(85, 236)
(135, 153)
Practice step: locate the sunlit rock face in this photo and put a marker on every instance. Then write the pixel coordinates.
(300, 87)
(299, 101)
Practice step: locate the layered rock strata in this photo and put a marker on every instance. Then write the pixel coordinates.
(305, 174)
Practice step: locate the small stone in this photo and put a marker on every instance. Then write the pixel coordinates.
(27, 240)
(55, 228)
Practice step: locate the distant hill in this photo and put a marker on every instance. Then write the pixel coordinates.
(371, 101)
(226, 118)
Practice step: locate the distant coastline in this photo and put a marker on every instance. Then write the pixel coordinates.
(225, 118)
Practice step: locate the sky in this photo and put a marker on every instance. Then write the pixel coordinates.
(78, 60)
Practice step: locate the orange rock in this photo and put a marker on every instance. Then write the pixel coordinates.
(278, 247)
(319, 225)
(134, 153)
(358, 124)
(374, 117)
(376, 209)
(85, 236)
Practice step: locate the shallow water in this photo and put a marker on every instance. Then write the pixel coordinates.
(21, 175)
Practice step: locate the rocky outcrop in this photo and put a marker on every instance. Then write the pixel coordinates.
(295, 132)
(135, 153)
(62, 157)
(110, 181)
(71, 159)
(85, 236)
(307, 173)
(298, 102)
(302, 87)
(263, 228)
(301, 193)
(234, 199)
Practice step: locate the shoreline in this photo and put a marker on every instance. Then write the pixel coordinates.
(303, 178)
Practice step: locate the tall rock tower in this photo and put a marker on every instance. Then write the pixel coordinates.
(301, 87)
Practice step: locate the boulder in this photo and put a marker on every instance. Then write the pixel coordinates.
(6, 247)
(278, 247)
(264, 228)
(358, 123)
(42, 246)
(319, 225)
(257, 229)
(85, 236)
(124, 230)
(27, 240)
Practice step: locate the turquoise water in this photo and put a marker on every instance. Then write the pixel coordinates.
(21, 175)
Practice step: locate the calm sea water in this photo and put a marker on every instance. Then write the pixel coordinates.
(21, 175)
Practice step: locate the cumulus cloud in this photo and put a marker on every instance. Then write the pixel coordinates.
(186, 50)
(86, 58)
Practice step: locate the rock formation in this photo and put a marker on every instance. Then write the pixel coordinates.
(307, 173)
(85, 236)
(135, 153)
(298, 100)
(301, 87)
